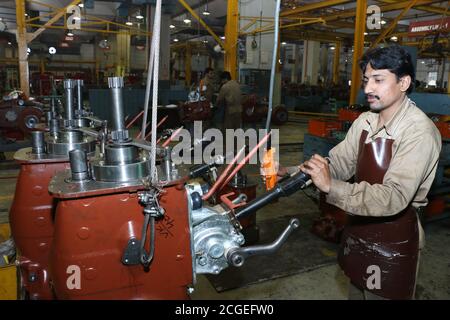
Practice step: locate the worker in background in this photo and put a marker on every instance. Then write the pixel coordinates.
(392, 152)
(229, 101)
(207, 85)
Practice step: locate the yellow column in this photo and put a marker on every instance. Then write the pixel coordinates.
(360, 27)
(22, 47)
(231, 37)
(123, 54)
(337, 57)
(187, 64)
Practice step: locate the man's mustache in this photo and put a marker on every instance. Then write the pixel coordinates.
(372, 96)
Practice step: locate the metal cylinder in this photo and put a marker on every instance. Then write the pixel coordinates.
(54, 126)
(68, 87)
(121, 155)
(168, 162)
(37, 142)
(79, 85)
(53, 105)
(118, 118)
(79, 165)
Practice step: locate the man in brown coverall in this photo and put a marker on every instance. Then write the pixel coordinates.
(230, 100)
(392, 152)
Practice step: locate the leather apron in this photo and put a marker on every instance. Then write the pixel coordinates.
(390, 243)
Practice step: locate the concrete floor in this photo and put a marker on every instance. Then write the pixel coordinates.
(322, 283)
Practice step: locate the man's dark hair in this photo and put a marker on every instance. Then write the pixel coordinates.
(393, 58)
(225, 76)
(208, 70)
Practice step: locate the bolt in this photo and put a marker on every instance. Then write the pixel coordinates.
(202, 261)
(32, 277)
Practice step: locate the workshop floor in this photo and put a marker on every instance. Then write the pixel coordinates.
(326, 282)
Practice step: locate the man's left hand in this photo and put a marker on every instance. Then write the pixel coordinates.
(319, 170)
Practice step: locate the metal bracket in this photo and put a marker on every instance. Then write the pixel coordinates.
(132, 255)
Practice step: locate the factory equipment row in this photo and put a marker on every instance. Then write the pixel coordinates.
(100, 215)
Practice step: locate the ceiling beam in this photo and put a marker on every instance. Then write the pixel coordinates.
(312, 6)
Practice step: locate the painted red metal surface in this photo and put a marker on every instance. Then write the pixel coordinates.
(91, 235)
(31, 219)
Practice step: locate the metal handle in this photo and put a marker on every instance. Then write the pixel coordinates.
(236, 257)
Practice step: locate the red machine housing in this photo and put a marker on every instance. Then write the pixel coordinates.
(92, 232)
(31, 220)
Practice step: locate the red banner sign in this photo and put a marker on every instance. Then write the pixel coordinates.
(429, 26)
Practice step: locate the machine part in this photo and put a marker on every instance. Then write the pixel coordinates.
(118, 131)
(79, 85)
(120, 173)
(236, 256)
(38, 142)
(285, 188)
(132, 254)
(29, 117)
(168, 164)
(152, 211)
(213, 236)
(63, 142)
(69, 86)
(79, 165)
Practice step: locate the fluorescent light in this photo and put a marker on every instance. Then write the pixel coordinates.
(187, 21)
(139, 16)
(332, 48)
(283, 43)
(206, 13)
(129, 23)
(172, 26)
(394, 38)
(175, 40)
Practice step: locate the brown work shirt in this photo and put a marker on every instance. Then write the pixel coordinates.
(230, 97)
(416, 148)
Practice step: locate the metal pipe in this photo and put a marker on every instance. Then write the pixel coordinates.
(116, 85)
(78, 165)
(68, 87)
(250, 154)
(222, 176)
(157, 126)
(79, 84)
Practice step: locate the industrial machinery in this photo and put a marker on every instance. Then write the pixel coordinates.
(130, 228)
(255, 110)
(31, 214)
(18, 116)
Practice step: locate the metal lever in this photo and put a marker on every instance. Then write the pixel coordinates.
(236, 257)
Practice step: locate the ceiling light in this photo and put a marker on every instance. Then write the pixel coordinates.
(26, 14)
(9, 43)
(222, 37)
(365, 33)
(332, 48)
(28, 50)
(283, 43)
(175, 40)
(172, 26)
(383, 22)
(52, 50)
(139, 16)
(394, 38)
(70, 34)
(422, 62)
(81, 5)
(206, 13)
(205, 41)
(187, 20)
(129, 23)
